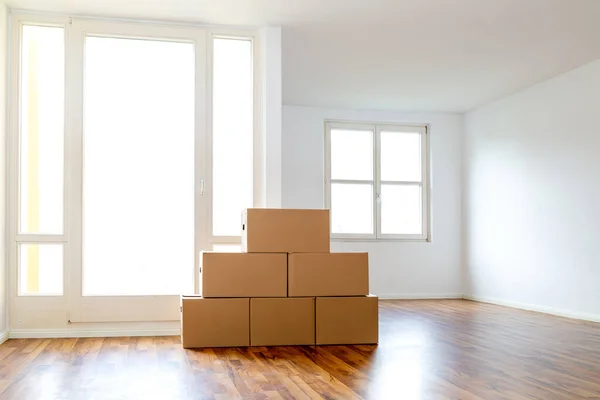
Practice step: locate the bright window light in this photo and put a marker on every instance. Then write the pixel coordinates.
(41, 130)
(232, 138)
(400, 156)
(351, 154)
(138, 187)
(227, 248)
(41, 269)
(351, 208)
(401, 209)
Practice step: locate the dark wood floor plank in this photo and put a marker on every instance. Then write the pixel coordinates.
(442, 349)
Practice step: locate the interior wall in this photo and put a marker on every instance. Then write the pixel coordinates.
(271, 115)
(532, 194)
(3, 271)
(397, 269)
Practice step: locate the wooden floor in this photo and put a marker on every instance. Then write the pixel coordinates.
(449, 349)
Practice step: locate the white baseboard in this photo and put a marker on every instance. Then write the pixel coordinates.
(77, 333)
(3, 337)
(532, 307)
(420, 296)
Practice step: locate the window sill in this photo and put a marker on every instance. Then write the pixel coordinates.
(383, 240)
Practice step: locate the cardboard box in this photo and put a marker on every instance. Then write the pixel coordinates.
(244, 275)
(282, 321)
(270, 230)
(328, 274)
(214, 322)
(347, 320)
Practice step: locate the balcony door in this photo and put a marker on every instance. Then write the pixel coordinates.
(137, 178)
(132, 148)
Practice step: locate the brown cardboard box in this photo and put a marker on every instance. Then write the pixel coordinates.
(270, 230)
(282, 321)
(244, 275)
(214, 322)
(328, 274)
(347, 320)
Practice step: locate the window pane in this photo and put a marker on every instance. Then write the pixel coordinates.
(232, 134)
(400, 156)
(42, 130)
(138, 167)
(401, 209)
(227, 248)
(351, 208)
(351, 154)
(41, 269)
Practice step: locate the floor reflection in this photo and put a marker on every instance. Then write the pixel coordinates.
(428, 350)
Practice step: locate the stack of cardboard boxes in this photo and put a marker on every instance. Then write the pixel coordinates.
(285, 288)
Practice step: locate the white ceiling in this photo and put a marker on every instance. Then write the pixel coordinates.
(412, 55)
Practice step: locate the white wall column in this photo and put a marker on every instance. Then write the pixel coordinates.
(3, 263)
(271, 115)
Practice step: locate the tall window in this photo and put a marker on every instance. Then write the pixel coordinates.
(126, 162)
(40, 238)
(376, 180)
(232, 139)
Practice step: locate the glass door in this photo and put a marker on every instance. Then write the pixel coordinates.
(137, 178)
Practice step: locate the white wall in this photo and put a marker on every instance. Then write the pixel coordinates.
(397, 269)
(3, 276)
(532, 197)
(271, 115)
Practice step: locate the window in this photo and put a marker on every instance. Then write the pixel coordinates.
(376, 181)
(132, 149)
(41, 269)
(232, 139)
(40, 161)
(42, 130)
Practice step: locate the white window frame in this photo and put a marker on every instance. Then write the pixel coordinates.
(376, 129)
(32, 310)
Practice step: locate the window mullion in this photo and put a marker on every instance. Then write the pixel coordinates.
(328, 169)
(353, 181)
(225, 240)
(425, 184)
(35, 238)
(377, 182)
(406, 183)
